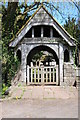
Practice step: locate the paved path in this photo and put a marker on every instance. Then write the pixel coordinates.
(41, 102)
(47, 108)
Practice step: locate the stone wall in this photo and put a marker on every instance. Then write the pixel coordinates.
(79, 57)
(78, 76)
(69, 74)
(17, 78)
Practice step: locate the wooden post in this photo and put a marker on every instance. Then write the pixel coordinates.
(51, 32)
(46, 75)
(27, 74)
(57, 74)
(42, 74)
(50, 74)
(39, 63)
(53, 74)
(61, 60)
(32, 32)
(23, 62)
(31, 71)
(38, 74)
(35, 75)
(42, 32)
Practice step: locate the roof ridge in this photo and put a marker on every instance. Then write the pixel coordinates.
(42, 6)
(60, 25)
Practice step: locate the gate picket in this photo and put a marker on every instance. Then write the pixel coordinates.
(50, 74)
(57, 74)
(53, 75)
(42, 74)
(38, 75)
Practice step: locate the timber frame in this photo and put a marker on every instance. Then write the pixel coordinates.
(58, 45)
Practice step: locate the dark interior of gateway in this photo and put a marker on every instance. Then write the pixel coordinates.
(37, 31)
(66, 56)
(41, 48)
(19, 55)
(46, 31)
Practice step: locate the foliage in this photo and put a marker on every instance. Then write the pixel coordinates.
(4, 88)
(72, 28)
(37, 56)
(10, 64)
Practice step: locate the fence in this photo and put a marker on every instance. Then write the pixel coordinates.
(42, 75)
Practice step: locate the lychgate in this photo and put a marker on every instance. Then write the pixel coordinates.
(43, 33)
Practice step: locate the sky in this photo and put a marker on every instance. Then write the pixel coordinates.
(66, 8)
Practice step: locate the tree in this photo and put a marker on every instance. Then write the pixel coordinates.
(72, 28)
(9, 63)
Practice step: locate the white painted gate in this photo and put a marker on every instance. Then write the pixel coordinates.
(42, 75)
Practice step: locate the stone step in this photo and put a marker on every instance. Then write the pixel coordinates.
(43, 92)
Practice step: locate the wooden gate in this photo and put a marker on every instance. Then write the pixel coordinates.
(42, 75)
